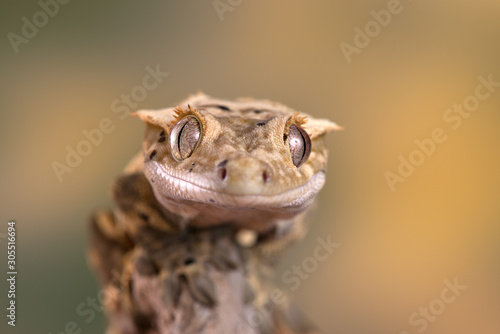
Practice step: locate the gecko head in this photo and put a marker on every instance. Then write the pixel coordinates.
(234, 161)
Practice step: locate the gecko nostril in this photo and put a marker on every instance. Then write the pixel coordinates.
(223, 173)
(265, 177)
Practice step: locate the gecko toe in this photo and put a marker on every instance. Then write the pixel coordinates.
(224, 258)
(170, 289)
(201, 287)
(145, 265)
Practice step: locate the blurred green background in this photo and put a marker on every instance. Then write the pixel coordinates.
(397, 247)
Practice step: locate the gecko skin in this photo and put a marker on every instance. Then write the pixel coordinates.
(202, 214)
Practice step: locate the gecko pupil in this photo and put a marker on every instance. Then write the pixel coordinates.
(185, 137)
(299, 143)
(180, 136)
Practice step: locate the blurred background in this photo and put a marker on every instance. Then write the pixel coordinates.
(388, 82)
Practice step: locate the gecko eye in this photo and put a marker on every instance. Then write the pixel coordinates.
(300, 144)
(185, 137)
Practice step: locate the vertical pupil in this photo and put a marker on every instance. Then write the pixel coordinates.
(180, 137)
(300, 145)
(188, 137)
(303, 145)
(184, 137)
(296, 145)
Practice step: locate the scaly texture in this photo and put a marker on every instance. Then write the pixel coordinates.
(203, 213)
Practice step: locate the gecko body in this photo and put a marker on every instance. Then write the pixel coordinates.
(202, 214)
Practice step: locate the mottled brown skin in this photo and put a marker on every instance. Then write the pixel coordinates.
(191, 244)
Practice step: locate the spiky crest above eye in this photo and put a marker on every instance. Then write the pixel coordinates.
(297, 119)
(180, 113)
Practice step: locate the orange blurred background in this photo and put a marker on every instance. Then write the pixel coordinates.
(397, 247)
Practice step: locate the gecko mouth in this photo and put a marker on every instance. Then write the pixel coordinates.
(170, 187)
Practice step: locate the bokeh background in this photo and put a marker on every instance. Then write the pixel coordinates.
(397, 247)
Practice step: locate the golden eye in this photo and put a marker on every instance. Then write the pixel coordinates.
(300, 144)
(184, 137)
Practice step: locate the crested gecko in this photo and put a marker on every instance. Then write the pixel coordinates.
(202, 215)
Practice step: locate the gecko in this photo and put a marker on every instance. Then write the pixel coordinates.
(202, 215)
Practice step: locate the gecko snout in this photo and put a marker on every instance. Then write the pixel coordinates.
(243, 175)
